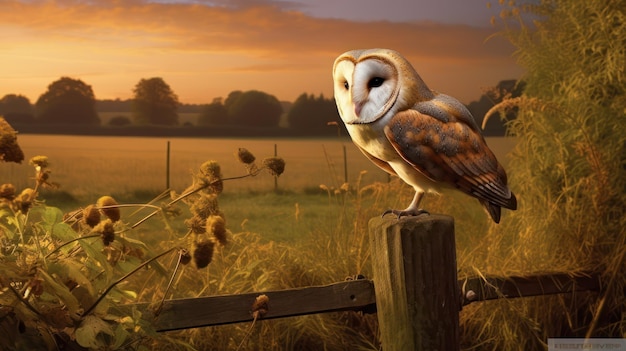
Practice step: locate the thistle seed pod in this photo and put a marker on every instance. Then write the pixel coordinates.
(275, 165)
(39, 161)
(212, 173)
(205, 205)
(245, 156)
(113, 213)
(91, 216)
(7, 191)
(185, 257)
(196, 224)
(203, 253)
(216, 225)
(24, 200)
(106, 230)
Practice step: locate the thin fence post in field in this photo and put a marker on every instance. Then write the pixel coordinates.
(275, 178)
(167, 166)
(415, 279)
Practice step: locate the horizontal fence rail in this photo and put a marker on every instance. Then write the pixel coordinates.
(353, 295)
(490, 288)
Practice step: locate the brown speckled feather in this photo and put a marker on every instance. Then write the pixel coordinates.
(443, 143)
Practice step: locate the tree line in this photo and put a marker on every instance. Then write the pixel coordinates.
(72, 101)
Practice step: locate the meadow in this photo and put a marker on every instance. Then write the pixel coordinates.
(133, 169)
(87, 165)
(309, 230)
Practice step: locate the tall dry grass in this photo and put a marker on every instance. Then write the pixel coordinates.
(569, 172)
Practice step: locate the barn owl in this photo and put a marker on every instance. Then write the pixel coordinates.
(429, 140)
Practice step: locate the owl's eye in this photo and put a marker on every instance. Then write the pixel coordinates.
(375, 82)
(346, 85)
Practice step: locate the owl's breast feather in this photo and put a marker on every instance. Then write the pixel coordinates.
(373, 140)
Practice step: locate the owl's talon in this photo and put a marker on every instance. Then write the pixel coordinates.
(406, 213)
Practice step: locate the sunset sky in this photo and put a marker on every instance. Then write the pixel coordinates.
(206, 49)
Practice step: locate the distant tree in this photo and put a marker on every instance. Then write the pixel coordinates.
(67, 100)
(313, 113)
(214, 113)
(231, 98)
(116, 105)
(119, 121)
(155, 103)
(254, 108)
(17, 109)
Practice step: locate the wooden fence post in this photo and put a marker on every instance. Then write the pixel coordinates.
(415, 279)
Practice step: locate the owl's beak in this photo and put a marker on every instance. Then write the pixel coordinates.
(357, 108)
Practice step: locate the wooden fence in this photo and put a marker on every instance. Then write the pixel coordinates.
(415, 291)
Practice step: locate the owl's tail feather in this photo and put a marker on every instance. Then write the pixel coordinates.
(495, 210)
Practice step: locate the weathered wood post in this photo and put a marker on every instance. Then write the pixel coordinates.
(415, 279)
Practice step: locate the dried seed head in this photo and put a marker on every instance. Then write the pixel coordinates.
(39, 161)
(105, 204)
(10, 151)
(205, 205)
(211, 170)
(216, 225)
(245, 156)
(212, 174)
(216, 187)
(91, 216)
(7, 191)
(275, 165)
(42, 176)
(260, 307)
(203, 253)
(24, 200)
(196, 224)
(185, 256)
(106, 230)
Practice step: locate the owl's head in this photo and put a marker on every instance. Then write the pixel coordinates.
(370, 84)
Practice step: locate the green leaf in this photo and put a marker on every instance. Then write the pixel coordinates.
(63, 232)
(62, 292)
(121, 334)
(87, 333)
(73, 270)
(52, 215)
(93, 250)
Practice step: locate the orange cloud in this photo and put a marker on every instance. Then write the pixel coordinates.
(206, 51)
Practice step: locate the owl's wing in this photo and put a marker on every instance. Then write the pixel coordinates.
(442, 141)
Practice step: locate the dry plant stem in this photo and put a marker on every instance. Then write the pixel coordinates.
(191, 192)
(91, 308)
(31, 198)
(609, 290)
(71, 241)
(169, 284)
(162, 195)
(130, 205)
(247, 335)
(25, 302)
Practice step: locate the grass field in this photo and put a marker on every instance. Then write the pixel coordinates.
(132, 169)
(85, 165)
(312, 231)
